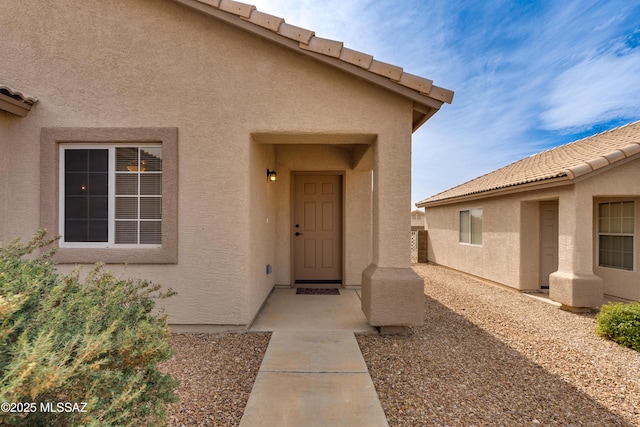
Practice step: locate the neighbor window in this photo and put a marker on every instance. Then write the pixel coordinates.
(616, 221)
(112, 195)
(471, 226)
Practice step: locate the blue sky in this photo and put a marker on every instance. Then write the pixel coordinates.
(527, 75)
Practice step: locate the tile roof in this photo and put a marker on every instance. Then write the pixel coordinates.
(15, 102)
(19, 96)
(565, 162)
(420, 89)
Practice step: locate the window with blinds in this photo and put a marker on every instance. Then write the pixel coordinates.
(112, 195)
(616, 227)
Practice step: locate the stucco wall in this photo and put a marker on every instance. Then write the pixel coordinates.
(620, 283)
(497, 259)
(146, 63)
(262, 218)
(4, 172)
(510, 252)
(617, 184)
(391, 223)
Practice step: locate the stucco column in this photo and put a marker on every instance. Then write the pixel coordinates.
(392, 293)
(575, 285)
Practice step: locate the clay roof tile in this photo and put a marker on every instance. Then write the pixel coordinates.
(330, 48)
(571, 160)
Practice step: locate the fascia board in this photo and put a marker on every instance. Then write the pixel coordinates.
(14, 106)
(531, 186)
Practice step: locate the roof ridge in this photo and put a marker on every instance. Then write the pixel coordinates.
(310, 42)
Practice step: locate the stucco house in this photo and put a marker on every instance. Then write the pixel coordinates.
(146, 133)
(565, 219)
(417, 220)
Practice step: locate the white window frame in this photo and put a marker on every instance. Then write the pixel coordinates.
(621, 234)
(110, 243)
(470, 229)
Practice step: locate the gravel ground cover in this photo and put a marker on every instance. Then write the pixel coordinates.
(216, 373)
(488, 356)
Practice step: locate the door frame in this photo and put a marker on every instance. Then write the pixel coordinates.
(292, 203)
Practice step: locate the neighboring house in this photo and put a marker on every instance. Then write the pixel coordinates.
(156, 127)
(567, 219)
(417, 220)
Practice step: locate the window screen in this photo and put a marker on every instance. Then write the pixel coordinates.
(113, 195)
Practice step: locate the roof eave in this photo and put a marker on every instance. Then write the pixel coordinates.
(421, 113)
(15, 106)
(530, 186)
(577, 173)
(425, 105)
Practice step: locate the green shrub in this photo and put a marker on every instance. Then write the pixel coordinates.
(621, 323)
(67, 342)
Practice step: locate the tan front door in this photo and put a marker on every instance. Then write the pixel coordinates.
(317, 229)
(548, 241)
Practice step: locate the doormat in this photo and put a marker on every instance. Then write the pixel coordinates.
(317, 291)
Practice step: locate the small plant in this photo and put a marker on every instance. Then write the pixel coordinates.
(79, 352)
(620, 323)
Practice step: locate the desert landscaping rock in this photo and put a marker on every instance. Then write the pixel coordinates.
(486, 356)
(216, 373)
(492, 356)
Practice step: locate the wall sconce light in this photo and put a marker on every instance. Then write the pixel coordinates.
(271, 175)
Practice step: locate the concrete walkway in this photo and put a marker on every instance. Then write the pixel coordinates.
(313, 373)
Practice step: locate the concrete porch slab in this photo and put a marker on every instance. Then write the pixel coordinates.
(284, 310)
(313, 373)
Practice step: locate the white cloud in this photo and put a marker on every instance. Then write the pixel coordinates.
(594, 91)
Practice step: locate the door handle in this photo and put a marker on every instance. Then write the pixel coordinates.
(298, 233)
